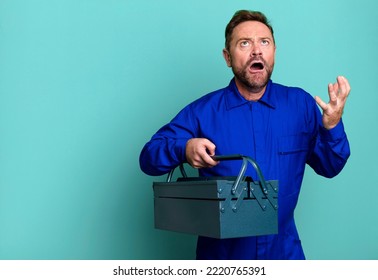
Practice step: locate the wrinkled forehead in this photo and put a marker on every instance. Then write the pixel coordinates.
(251, 29)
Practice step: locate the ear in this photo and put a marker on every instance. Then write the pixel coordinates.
(227, 57)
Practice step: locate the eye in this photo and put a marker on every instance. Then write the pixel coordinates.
(265, 42)
(244, 43)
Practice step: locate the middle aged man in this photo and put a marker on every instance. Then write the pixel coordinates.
(280, 127)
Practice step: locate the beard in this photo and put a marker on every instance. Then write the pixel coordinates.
(253, 82)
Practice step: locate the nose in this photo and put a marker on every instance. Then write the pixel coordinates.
(256, 50)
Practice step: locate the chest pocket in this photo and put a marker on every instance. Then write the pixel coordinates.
(292, 144)
(292, 153)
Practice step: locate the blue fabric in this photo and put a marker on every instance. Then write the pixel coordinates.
(282, 131)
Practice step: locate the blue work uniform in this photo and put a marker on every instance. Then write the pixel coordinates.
(282, 131)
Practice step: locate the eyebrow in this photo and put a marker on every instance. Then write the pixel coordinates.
(251, 39)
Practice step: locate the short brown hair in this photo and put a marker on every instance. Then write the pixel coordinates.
(242, 16)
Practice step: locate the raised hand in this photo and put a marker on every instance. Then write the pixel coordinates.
(333, 110)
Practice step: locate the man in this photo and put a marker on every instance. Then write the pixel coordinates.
(280, 127)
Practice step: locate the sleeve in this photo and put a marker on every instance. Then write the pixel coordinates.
(166, 149)
(330, 149)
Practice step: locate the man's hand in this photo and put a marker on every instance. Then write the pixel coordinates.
(338, 93)
(198, 152)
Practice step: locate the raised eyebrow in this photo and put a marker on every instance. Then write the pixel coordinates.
(251, 39)
(241, 40)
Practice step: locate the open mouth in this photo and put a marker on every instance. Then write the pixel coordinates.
(257, 66)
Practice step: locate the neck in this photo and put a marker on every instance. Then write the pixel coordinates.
(249, 93)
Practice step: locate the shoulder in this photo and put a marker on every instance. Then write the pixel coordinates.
(203, 107)
(284, 93)
(209, 100)
(284, 89)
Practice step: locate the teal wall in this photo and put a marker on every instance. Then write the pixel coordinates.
(85, 83)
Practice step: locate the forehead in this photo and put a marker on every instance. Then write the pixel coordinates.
(251, 29)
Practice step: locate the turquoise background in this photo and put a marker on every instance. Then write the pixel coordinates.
(84, 84)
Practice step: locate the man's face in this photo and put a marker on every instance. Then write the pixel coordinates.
(251, 56)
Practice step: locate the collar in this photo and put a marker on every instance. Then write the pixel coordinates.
(235, 99)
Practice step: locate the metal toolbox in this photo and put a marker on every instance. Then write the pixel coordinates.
(219, 207)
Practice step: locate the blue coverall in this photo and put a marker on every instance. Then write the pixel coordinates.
(282, 131)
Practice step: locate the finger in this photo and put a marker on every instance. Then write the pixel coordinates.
(344, 86)
(335, 87)
(210, 151)
(332, 92)
(191, 151)
(210, 147)
(347, 85)
(198, 153)
(321, 103)
(209, 162)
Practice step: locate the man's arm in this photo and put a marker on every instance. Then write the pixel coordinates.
(331, 147)
(331, 151)
(174, 143)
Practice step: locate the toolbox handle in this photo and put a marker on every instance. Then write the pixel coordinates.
(182, 170)
(243, 168)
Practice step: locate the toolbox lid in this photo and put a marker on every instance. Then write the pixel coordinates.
(198, 188)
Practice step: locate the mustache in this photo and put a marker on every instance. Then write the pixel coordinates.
(253, 60)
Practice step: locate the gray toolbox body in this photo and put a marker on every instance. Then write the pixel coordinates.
(219, 207)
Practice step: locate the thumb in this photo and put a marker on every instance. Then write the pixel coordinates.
(321, 103)
(210, 147)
